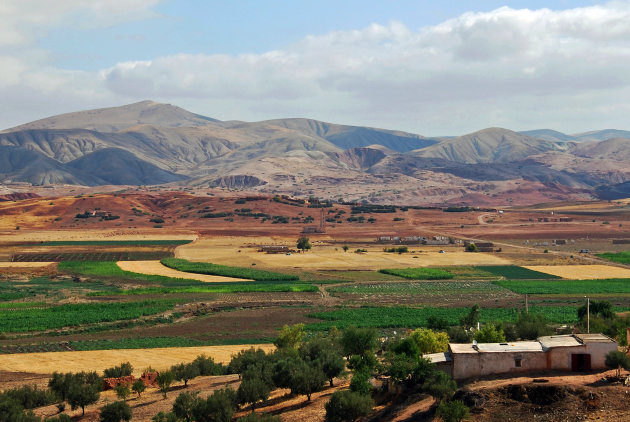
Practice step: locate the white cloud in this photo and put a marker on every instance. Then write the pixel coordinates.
(521, 69)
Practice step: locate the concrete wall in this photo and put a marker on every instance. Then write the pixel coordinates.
(467, 365)
(559, 358)
(598, 353)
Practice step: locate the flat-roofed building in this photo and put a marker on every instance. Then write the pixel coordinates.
(577, 353)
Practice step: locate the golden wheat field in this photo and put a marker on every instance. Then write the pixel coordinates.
(582, 272)
(98, 360)
(234, 251)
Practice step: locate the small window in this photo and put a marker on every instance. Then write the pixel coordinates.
(518, 362)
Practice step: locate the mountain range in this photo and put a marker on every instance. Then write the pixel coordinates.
(149, 143)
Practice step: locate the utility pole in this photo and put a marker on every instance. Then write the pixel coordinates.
(588, 314)
(526, 305)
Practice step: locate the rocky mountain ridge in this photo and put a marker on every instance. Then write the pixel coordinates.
(149, 143)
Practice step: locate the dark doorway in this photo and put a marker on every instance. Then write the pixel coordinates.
(580, 362)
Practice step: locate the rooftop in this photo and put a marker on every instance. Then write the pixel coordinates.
(549, 342)
(439, 357)
(593, 338)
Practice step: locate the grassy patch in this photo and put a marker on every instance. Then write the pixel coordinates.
(419, 273)
(570, 287)
(72, 315)
(512, 272)
(225, 271)
(42, 286)
(620, 257)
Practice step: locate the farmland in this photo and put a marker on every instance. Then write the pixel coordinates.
(568, 287)
(619, 257)
(69, 315)
(110, 296)
(511, 272)
(226, 271)
(583, 272)
(419, 273)
(401, 317)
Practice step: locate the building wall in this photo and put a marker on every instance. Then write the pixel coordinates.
(467, 365)
(559, 358)
(598, 352)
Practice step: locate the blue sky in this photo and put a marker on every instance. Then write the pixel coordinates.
(434, 68)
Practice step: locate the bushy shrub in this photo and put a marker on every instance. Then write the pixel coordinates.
(347, 406)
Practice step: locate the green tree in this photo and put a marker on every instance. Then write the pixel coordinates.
(207, 366)
(360, 383)
(164, 381)
(307, 379)
(617, 360)
(406, 346)
(253, 388)
(472, 247)
(453, 411)
(115, 412)
(185, 372)
(219, 407)
(358, 341)
(60, 384)
(246, 358)
(290, 337)
(400, 366)
(124, 370)
(489, 333)
(81, 395)
(256, 417)
(530, 326)
(138, 387)
(440, 386)
(345, 248)
(597, 308)
(472, 318)
(303, 243)
(323, 353)
(346, 406)
(184, 405)
(428, 341)
(165, 417)
(459, 335)
(122, 391)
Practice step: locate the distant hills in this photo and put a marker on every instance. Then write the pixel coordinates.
(149, 143)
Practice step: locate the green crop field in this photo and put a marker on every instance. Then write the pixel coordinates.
(571, 287)
(512, 272)
(111, 243)
(620, 257)
(254, 287)
(405, 317)
(419, 273)
(420, 288)
(225, 271)
(71, 315)
(110, 269)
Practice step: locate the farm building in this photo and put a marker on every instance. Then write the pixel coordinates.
(575, 353)
(481, 246)
(274, 249)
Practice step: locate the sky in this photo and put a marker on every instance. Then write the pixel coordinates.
(427, 67)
